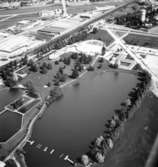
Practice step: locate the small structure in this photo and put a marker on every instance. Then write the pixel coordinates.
(68, 159)
(2, 164)
(1, 81)
(105, 8)
(47, 14)
(91, 47)
(143, 15)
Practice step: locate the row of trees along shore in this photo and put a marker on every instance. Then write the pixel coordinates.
(100, 146)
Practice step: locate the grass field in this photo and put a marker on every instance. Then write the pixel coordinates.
(142, 40)
(102, 35)
(136, 140)
(119, 33)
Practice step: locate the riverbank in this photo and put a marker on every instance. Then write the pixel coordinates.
(136, 140)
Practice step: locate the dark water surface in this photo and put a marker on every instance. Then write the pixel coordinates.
(10, 123)
(7, 96)
(69, 125)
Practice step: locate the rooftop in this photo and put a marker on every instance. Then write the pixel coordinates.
(14, 43)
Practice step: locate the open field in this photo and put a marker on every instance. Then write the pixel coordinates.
(13, 20)
(103, 36)
(142, 40)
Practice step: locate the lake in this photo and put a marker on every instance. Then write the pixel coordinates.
(70, 124)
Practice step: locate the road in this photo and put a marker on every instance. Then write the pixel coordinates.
(53, 6)
(140, 61)
(135, 56)
(32, 12)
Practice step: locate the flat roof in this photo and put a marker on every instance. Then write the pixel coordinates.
(52, 29)
(14, 43)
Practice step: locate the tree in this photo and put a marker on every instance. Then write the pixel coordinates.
(74, 56)
(10, 81)
(49, 66)
(85, 159)
(103, 50)
(101, 60)
(31, 89)
(67, 60)
(33, 67)
(100, 157)
(74, 74)
(30, 62)
(10, 163)
(44, 65)
(56, 93)
(56, 62)
(56, 82)
(120, 114)
(95, 30)
(43, 70)
(24, 60)
(99, 141)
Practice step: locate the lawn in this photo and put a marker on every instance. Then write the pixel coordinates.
(40, 81)
(102, 35)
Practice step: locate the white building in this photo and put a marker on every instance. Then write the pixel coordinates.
(14, 45)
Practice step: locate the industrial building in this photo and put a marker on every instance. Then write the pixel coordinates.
(12, 46)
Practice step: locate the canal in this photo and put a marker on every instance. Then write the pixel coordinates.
(69, 125)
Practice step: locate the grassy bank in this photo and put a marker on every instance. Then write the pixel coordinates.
(136, 140)
(142, 40)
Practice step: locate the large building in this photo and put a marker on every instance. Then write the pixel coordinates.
(14, 45)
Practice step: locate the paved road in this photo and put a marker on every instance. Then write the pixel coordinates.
(53, 6)
(32, 12)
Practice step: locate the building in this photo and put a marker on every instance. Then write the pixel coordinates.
(47, 14)
(13, 46)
